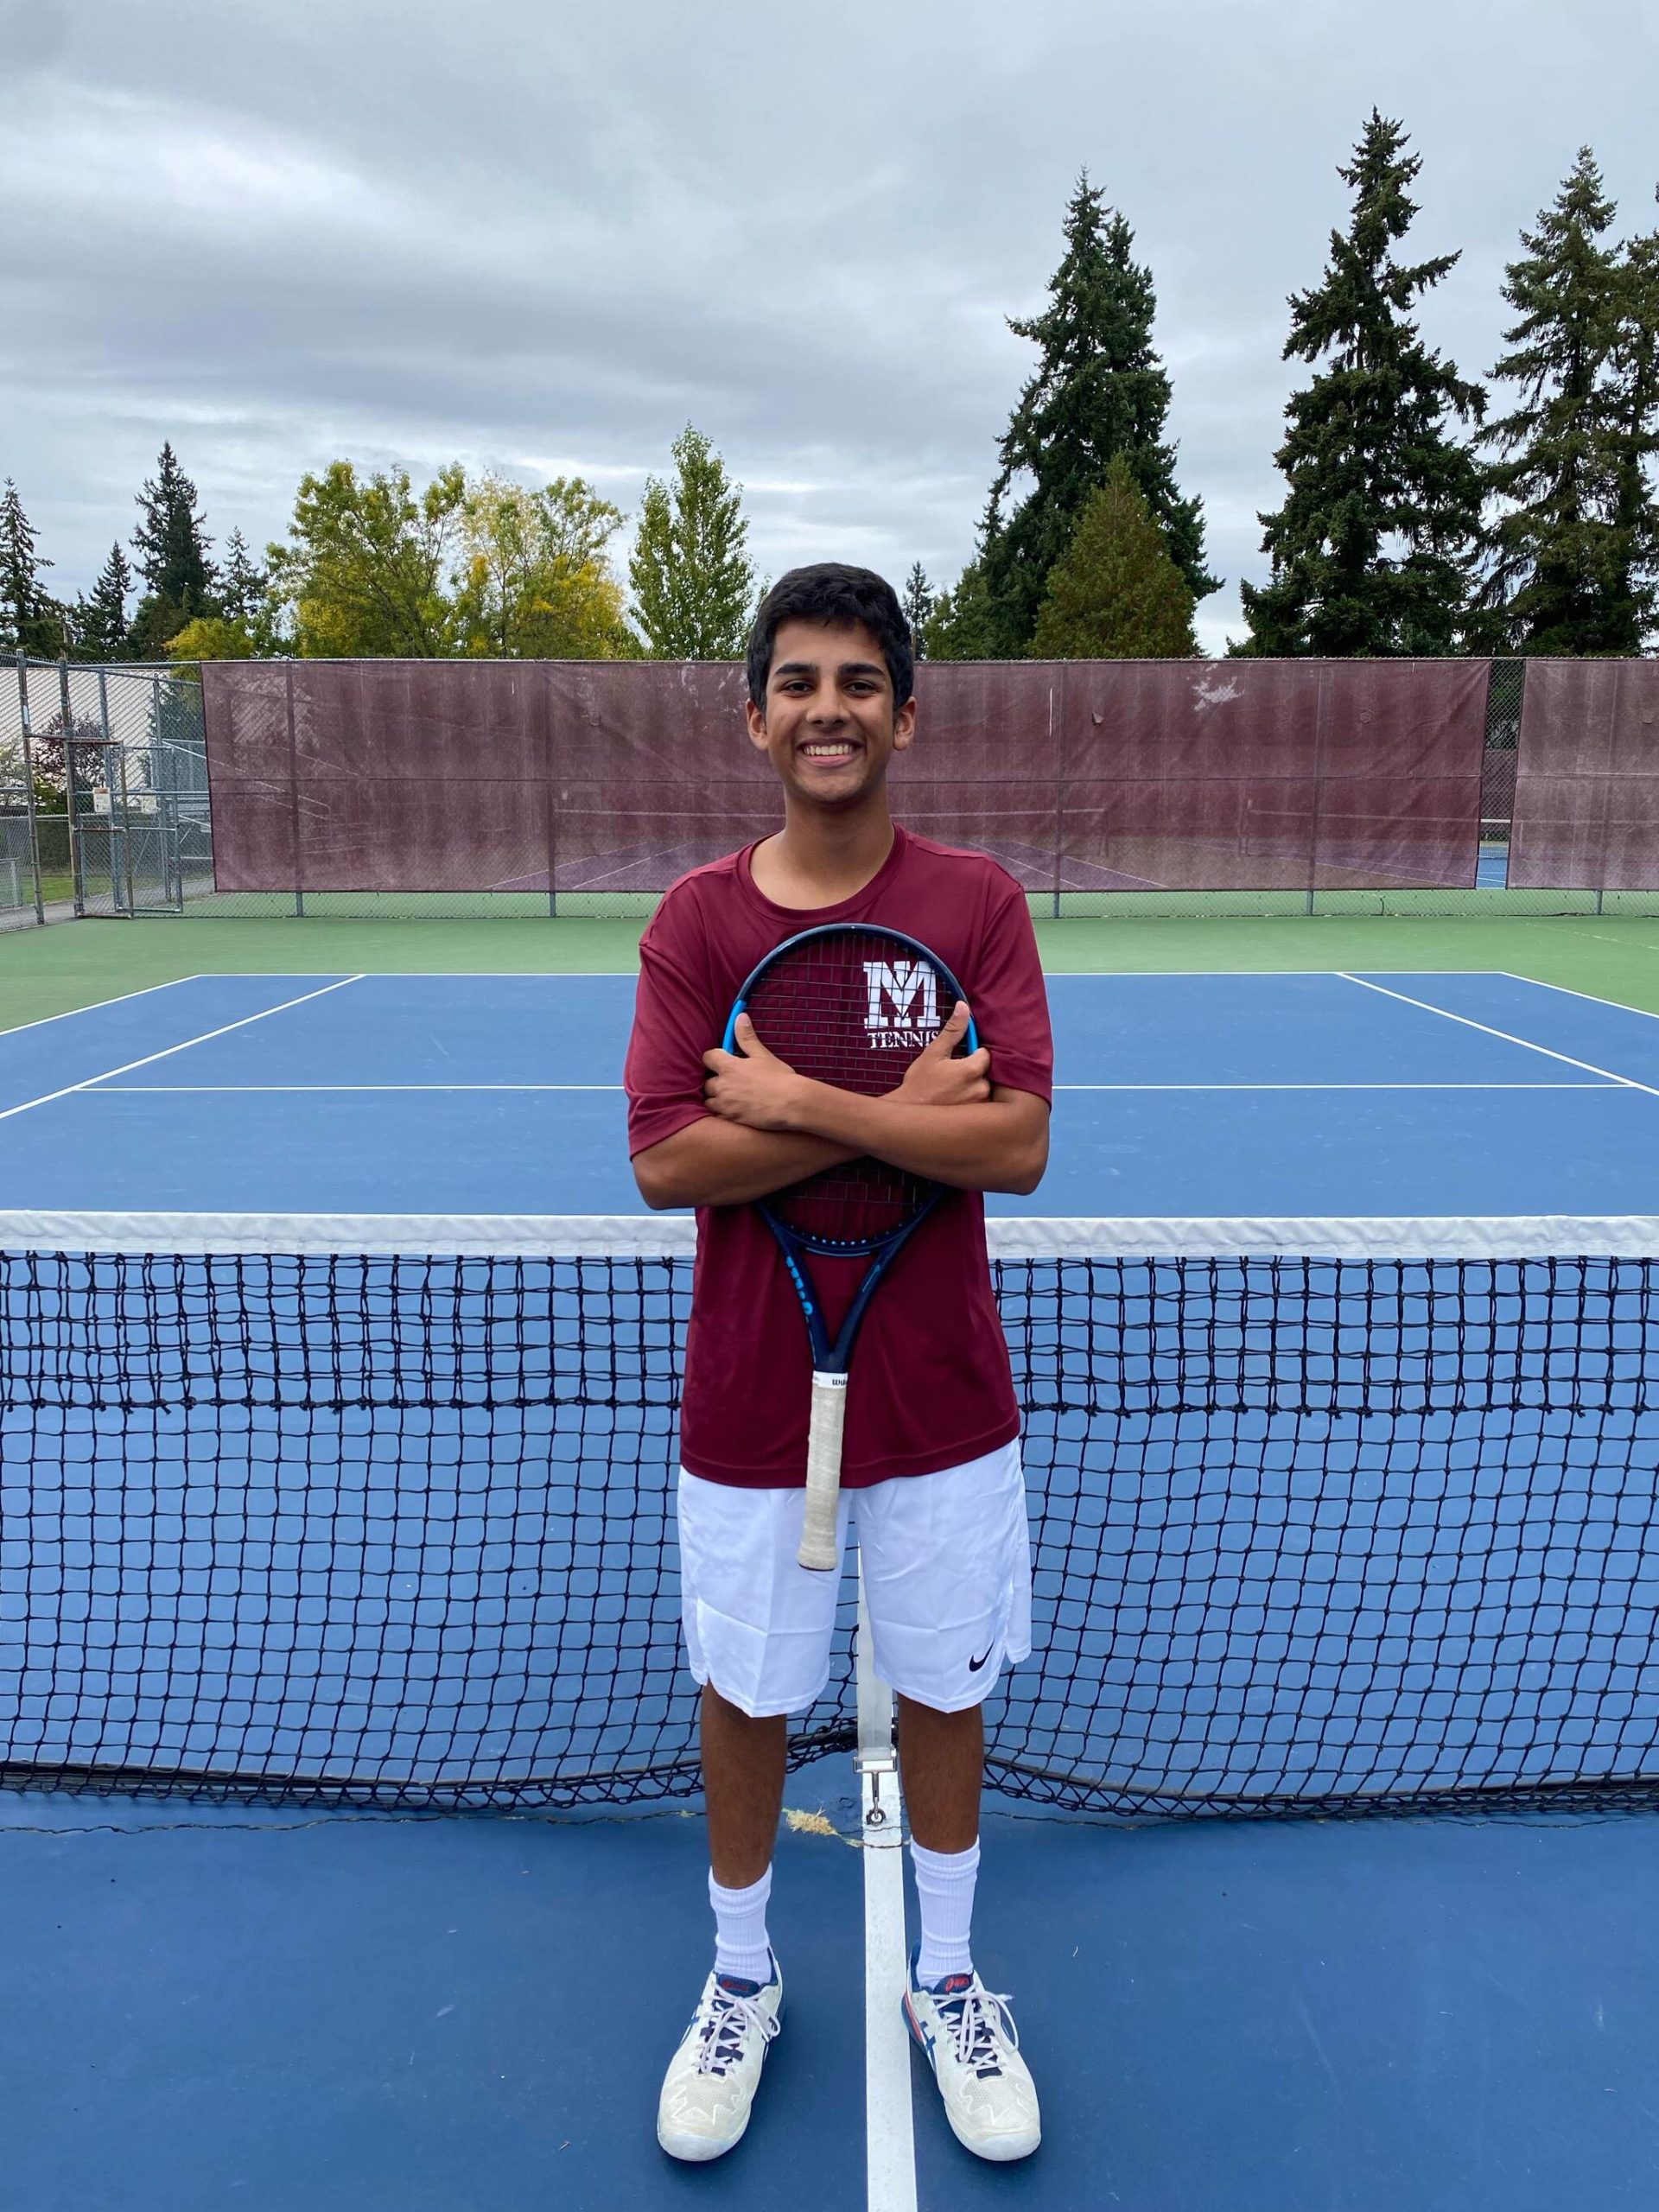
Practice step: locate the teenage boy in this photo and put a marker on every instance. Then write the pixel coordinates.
(930, 1463)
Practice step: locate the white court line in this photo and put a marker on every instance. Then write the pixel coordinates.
(1506, 1036)
(120, 998)
(150, 1059)
(889, 2125)
(1593, 998)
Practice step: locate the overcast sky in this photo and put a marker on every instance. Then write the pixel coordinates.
(542, 238)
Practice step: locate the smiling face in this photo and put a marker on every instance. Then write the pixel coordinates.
(831, 723)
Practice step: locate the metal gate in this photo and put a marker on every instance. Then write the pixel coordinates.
(123, 841)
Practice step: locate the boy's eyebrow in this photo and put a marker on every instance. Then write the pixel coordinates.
(846, 668)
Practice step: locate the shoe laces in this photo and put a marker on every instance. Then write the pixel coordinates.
(728, 2016)
(977, 2022)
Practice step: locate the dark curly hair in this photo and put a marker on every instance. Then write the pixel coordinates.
(832, 591)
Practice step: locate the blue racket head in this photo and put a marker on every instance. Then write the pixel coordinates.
(852, 1004)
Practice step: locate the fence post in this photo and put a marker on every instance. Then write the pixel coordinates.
(66, 718)
(28, 788)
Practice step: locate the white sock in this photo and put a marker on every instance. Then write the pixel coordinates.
(945, 1890)
(741, 1945)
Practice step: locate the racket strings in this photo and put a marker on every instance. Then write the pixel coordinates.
(856, 1011)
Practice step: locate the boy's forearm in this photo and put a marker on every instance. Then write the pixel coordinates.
(715, 1163)
(998, 1144)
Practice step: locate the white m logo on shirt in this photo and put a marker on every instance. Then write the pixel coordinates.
(894, 990)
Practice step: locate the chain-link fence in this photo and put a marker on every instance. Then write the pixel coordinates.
(102, 791)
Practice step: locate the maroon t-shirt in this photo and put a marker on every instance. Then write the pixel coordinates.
(929, 1383)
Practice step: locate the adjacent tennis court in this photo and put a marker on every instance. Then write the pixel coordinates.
(1334, 1321)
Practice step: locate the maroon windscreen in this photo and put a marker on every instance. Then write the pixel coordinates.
(1242, 774)
(621, 776)
(853, 1007)
(1586, 784)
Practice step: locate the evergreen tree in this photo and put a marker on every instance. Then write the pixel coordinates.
(960, 626)
(1116, 593)
(1098, 390)
(917, 601)
(31, 620)
(243, 586)
(1369, 551)
(1636, 432)
(693, 590)
(172, 547)
(1561, 565)
(101, 625)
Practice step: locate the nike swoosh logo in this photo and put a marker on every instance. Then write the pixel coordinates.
(974, 1665)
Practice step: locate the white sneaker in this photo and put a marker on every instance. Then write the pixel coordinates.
(968, 2036)
(713, 2076)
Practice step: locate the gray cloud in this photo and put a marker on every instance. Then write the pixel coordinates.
(542, 238)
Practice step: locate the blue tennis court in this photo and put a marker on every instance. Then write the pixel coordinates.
(376, 2006)
(1197, 1097)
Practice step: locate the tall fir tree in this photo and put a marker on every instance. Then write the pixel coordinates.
(1368, 551)
(1635, 429)
(1116, 593)
(172, 546)
(1098, 390)
(694, 588)
(1560, 566)
(917, 601)
(31, 620)
(102, 631)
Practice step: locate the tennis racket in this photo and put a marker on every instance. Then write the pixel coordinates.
(851, 1005)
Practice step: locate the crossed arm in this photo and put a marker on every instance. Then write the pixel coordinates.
(768, 1127)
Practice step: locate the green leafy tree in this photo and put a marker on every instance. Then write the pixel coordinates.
(1099, 389)
(1368, 551)
(1566, 563)
(101, 628)
(212, 637)
(31, 620)
(536, 574)
(694, 588)
(917, 601)
(1116, 593)
(365, 573)
(172, 547)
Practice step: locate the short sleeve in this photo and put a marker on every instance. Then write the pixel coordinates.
(674, 1024)
(1010, 1005)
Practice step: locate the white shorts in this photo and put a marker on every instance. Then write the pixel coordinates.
(947, 1577)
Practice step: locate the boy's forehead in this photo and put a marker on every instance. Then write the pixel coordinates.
(816, 644)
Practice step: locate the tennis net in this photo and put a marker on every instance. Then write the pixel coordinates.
(1327, 1517)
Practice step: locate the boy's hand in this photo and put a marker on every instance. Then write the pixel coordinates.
(935, 1078)
(758, 1089)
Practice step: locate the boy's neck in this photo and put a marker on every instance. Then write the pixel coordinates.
(818, 859)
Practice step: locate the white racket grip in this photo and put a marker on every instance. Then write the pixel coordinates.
(818, 1548)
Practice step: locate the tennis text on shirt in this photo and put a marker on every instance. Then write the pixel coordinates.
(930, 1385)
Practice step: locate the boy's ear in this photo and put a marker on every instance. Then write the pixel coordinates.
(757, 723)
(903, 725)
